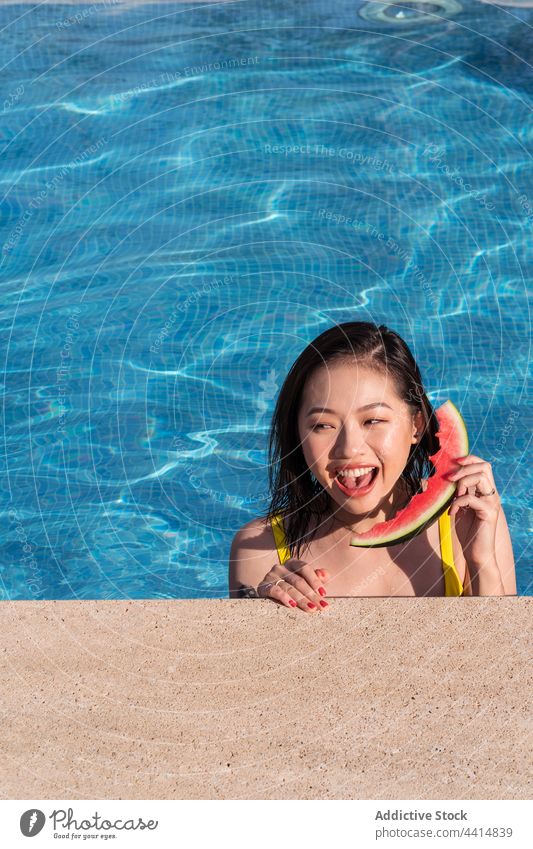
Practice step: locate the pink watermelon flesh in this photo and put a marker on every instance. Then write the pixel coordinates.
(426, 507)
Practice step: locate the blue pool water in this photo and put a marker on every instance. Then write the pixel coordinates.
(165, 256)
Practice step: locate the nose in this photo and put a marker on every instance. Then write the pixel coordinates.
(350, 442)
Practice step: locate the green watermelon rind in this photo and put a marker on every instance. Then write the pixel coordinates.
(432, 512)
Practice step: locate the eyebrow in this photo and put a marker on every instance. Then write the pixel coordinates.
(366, 407)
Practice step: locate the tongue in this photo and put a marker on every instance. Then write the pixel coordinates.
(363, 480)
(357, 483)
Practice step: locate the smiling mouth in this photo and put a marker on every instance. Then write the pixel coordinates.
(356, 481)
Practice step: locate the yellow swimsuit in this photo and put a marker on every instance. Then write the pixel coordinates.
(452, 581)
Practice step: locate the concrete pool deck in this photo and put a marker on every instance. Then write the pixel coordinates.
(224, 699)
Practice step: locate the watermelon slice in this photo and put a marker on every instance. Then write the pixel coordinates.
(425, 507)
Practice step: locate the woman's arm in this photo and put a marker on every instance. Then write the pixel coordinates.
(503, 567)
(499, 576)
(482, 530)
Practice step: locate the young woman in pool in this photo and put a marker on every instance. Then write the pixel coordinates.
(354, 398)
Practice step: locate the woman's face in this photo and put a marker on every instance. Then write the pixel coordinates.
(352, 418)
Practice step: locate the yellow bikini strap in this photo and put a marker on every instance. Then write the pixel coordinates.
(451, 578)
(445, 531)
(279, 537)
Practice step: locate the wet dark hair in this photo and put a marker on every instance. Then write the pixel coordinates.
(295, 493)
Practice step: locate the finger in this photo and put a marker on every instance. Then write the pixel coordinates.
(472, 463)
(308, 606)
(313, 580)
(470, 469)
(471, 477)
(282, 594)
(305, 571)
(469, 458)
(305, 592)
(482, 485)
(291, 597)
(484, 507)
(298, 566)
(475, 480)
(270, 580)
(323, 574)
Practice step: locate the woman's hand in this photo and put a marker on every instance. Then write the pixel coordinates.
(295, 584)
(476, 507)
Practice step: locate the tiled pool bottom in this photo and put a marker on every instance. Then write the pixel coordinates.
(173, 233)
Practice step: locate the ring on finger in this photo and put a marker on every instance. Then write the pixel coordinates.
(270, 584)
(484, 494)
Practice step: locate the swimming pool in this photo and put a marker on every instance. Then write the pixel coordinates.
(192, 192)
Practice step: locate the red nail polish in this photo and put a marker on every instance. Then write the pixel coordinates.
(292, 603)
(324, 604)
(322, 591)
(311, 605)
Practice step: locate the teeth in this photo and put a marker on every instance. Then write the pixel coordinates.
(355, 473)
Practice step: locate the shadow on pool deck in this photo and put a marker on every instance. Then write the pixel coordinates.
(220, 699)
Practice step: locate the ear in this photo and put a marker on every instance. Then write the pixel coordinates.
(418, 427)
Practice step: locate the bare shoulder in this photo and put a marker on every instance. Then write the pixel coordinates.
(253, 527)
(255, 535)
(253, 554)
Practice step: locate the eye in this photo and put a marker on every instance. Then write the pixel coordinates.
(376, 421)
(320, 425)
